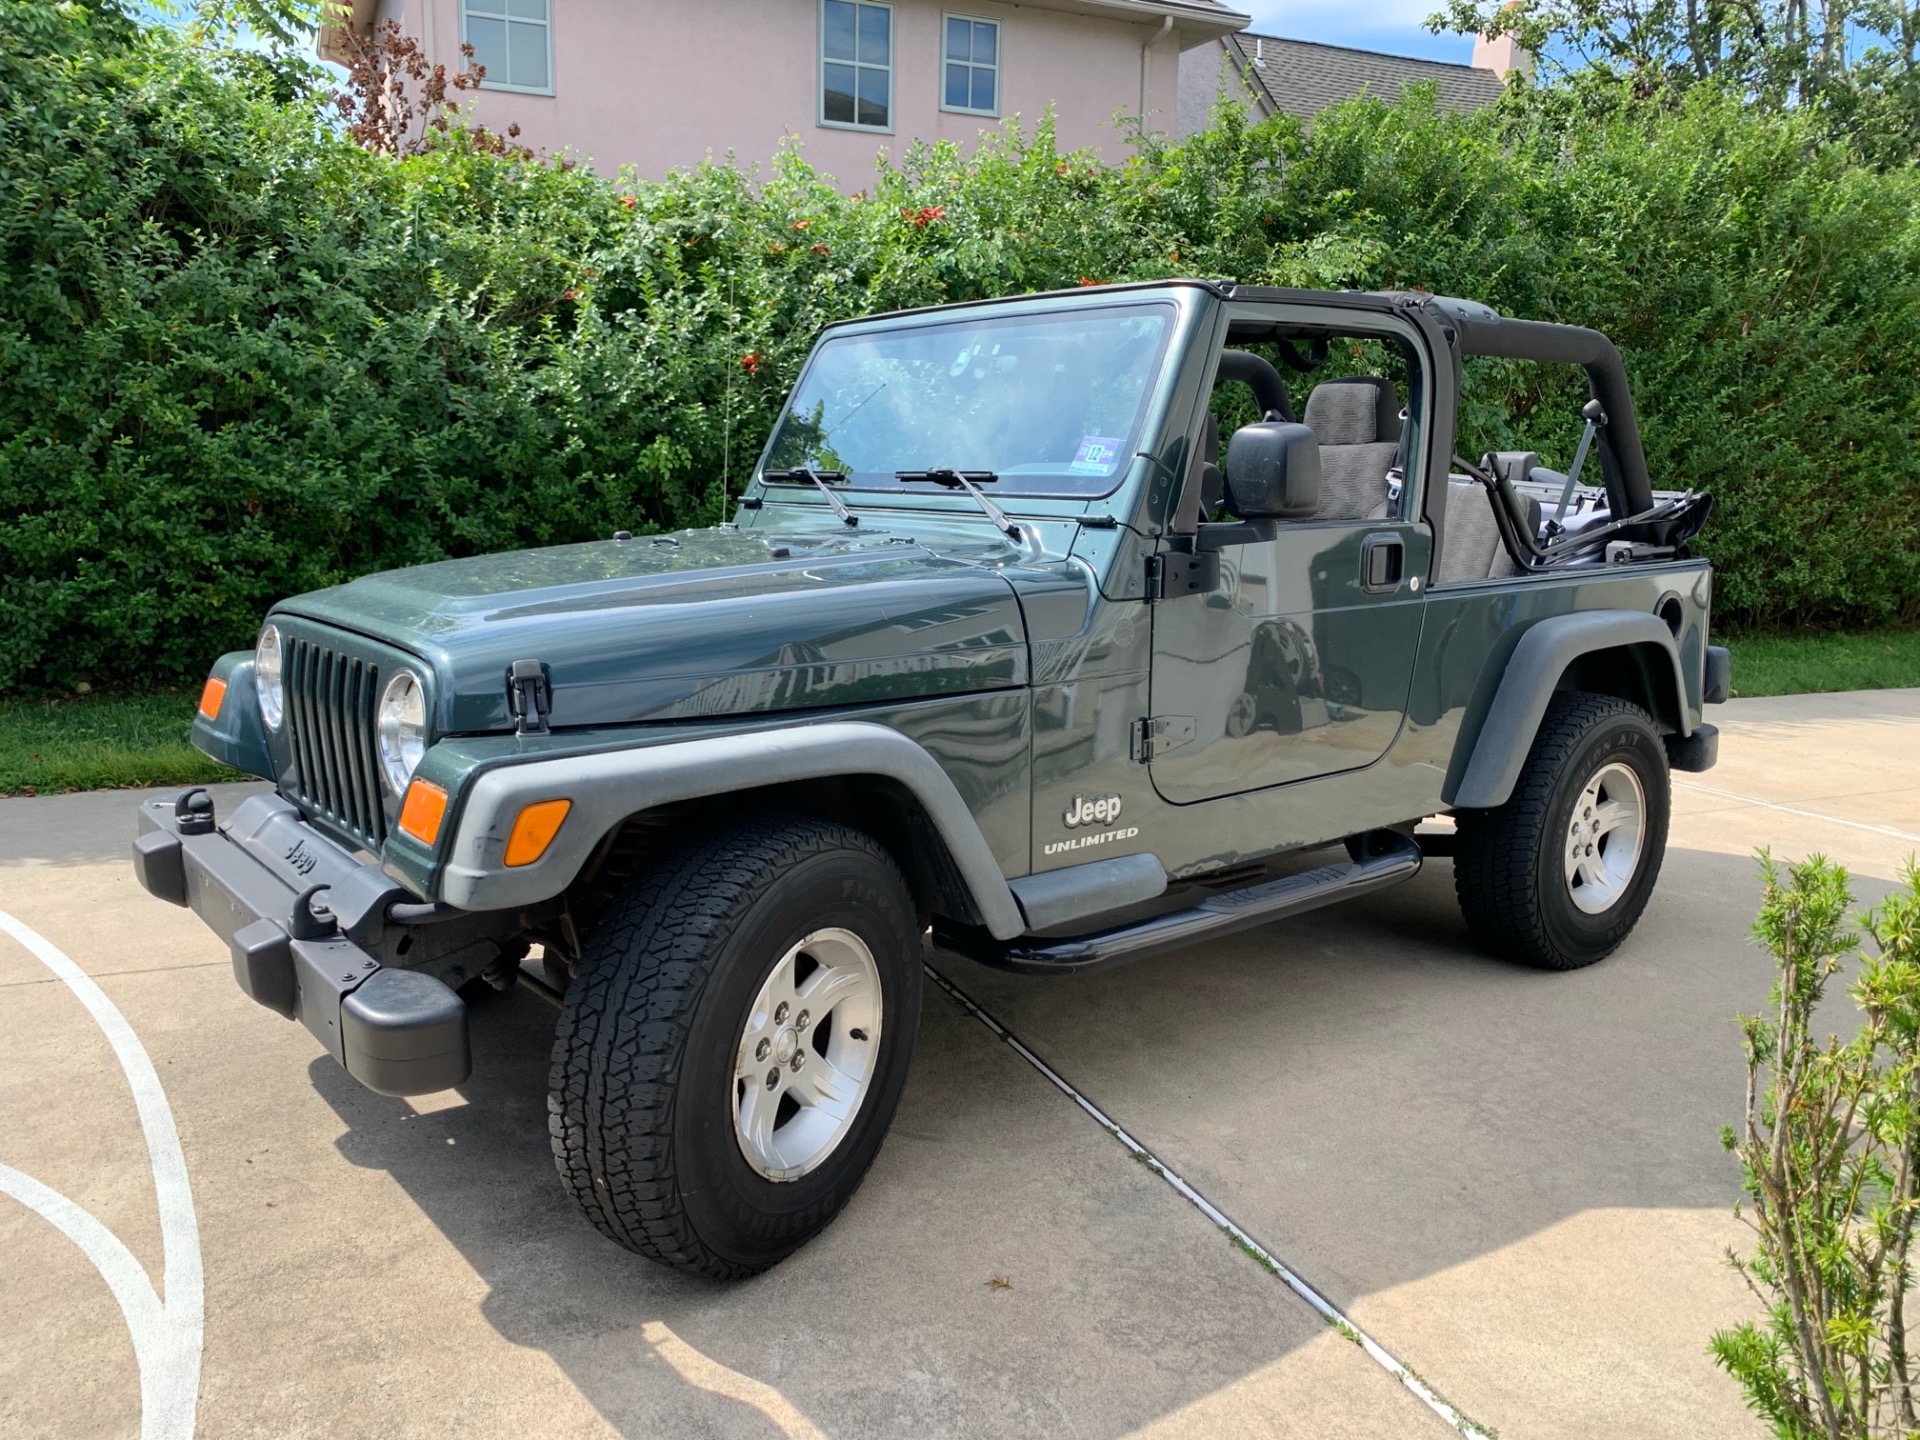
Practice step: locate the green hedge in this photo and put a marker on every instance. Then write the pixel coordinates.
(240, 358)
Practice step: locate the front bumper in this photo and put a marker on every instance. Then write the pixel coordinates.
(255, 881)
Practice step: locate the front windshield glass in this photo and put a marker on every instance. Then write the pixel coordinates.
(1049, 403)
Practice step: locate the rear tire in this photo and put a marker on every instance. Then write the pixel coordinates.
(1559, 875)
(650, 1103)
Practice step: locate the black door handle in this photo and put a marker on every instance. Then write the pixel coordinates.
(1382, 563)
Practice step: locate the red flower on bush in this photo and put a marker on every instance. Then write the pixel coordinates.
(817, 248)
(629, 201)
(803, 224)
(751, 362)
(570, 295)
(1063, 169)
(920, 219)
(1085, 281)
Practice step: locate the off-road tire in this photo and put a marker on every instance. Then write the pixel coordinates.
(1509, 866)
(643, 1062)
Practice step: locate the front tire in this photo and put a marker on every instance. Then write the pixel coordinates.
(734, 1045)
(1559, 875)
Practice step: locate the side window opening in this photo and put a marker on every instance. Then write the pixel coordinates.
(1356, 392)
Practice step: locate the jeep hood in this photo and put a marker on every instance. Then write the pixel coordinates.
(703, 623)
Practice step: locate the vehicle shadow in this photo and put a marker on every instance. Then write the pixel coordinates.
(1123, 1304)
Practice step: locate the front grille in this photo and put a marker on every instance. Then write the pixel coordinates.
(331, 703)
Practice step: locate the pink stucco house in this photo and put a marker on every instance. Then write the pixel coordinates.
(659, 84)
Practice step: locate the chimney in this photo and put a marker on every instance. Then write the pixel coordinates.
(1502, 54)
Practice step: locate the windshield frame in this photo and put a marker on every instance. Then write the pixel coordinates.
(1183, 302)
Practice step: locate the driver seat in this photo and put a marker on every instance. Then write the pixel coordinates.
(1357, 422)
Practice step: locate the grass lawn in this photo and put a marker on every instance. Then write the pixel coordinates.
(101, 742)
(1799, 664)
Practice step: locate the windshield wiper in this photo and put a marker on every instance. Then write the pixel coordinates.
(966, 480)
(820, 479)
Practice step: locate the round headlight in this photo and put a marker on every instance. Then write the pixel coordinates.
(266, 677)
(402, 729)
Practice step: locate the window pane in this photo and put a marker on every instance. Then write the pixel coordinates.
(874, 23)
(839, 94)
(839, 34)
(956, 39)
(985, 38)
(489, 41)
(873, 96)
(982, 88)
(956, 93)
(525, 9)
(486, 7)
(527, 50)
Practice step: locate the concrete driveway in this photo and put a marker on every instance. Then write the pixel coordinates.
(1510, 1180)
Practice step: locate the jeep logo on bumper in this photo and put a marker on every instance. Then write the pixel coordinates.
(1083, 811)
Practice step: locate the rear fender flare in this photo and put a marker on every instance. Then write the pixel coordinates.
(608, 787)
(1535, 670)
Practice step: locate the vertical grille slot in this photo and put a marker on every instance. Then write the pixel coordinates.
(331, 703)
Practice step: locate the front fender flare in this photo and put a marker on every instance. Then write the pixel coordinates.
(237, 736)
(1533, 673)
(609, 786)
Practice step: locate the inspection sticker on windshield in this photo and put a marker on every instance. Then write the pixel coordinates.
(1096, 455)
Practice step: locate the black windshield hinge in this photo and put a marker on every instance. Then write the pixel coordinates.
(1174, 573)
(529, 696)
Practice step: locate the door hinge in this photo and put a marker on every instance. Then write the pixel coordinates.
(1174, 573)
(1155, 735)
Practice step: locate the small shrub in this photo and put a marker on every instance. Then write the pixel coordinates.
(1830, 1157)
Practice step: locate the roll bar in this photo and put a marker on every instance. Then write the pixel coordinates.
(1483, 331)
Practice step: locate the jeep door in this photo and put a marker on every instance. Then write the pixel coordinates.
(1298, 662)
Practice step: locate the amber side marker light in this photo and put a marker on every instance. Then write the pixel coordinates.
(425, 808)
(534, 830)
(212, 697)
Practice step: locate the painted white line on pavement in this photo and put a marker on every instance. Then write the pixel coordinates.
(1790, 810)
(1327, 1309)
(167, 1335)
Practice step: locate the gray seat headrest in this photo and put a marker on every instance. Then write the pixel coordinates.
(1359, 410)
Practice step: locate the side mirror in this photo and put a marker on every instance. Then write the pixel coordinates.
(1273, 472)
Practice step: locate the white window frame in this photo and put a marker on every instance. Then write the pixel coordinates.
(820, 69)
(492, 84)
(999, 53)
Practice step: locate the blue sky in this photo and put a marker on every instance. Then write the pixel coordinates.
(1390, 25)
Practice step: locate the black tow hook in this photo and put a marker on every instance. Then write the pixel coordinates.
(193, 812)
(311, 920)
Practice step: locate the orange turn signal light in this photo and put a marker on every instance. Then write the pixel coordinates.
(212, 697)
(425, 807)
(534, 830)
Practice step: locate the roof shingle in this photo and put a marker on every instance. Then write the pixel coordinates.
(1302, 77)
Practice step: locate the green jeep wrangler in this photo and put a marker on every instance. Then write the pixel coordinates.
(1004, 648)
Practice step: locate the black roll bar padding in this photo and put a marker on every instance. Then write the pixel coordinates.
(1629, 490)
(1258, 374)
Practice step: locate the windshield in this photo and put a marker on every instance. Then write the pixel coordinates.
(1046, 404)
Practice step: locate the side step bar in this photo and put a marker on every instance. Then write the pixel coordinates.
(1381, 858)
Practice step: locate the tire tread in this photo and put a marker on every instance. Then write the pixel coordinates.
(622, 1034)
(1500, 852)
